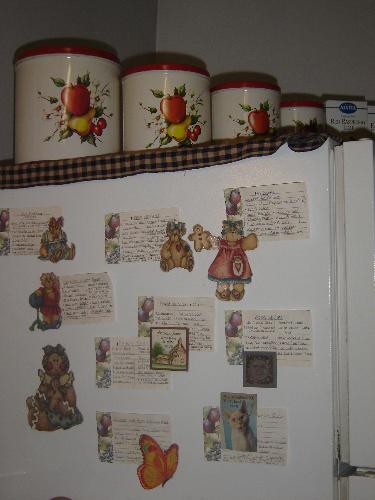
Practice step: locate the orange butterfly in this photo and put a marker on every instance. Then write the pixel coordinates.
(158, 465)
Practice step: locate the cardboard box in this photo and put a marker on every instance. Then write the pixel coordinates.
(347, 118)
(371, 118)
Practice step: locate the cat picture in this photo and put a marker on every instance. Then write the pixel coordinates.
(239, 435)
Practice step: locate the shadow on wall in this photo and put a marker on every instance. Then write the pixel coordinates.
(345, 97)
(242, 76)
(92, 44)
(298, 96)
(162, 58)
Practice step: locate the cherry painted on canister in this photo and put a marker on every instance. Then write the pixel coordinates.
(67, 103)
(165, 105)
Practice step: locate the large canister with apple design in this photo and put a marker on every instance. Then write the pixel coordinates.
(302, 116)
(67, 103)
(243, 109)
(165, 105)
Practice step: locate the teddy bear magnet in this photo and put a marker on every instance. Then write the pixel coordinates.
(46, 301)
(54, 404)
(54, 242)
(176, 252)
(231, 268)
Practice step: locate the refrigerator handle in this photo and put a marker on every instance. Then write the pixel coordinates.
(346, 470)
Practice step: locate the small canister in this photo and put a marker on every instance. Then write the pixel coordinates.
(67, 103)
(165, 105)
(302, 116)
(244, 109)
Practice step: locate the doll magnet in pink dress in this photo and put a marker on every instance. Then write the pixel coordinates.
(231, 268)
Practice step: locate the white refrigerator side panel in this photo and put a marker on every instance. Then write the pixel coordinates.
(287, 275)
(360, 237)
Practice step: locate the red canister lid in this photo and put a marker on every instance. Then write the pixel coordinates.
(66, 49)
(238, 85)
(164, 67)
(301, 104)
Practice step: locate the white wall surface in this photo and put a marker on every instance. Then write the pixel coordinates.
(126, 25)
(319, 47)
(309, 47)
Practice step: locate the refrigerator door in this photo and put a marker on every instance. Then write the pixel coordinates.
(360, 247)
(288, 274)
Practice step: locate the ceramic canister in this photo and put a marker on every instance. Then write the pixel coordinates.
(244, 109)
(165, 105)
(299, 116)
(67, 103)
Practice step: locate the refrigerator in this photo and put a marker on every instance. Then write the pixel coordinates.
(324, 268)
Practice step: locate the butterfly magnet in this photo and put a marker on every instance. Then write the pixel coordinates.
(158, 465)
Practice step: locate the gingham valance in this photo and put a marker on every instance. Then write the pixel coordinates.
(112, 166)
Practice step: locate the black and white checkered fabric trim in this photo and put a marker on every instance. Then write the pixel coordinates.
(113, 166)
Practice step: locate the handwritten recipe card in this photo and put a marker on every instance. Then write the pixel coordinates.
(125, 363)
(86, 298)
(195, 313)
(119, 433)
(272, 447)
(24, 228)
(286, 332)
(289, 333)
(274, 212)
(137, 236)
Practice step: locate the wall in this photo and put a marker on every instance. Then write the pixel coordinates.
(319, 47)
(128, 26)
(310, 47)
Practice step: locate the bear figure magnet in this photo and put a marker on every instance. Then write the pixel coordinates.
(176, 252)
(231, 268)
(54, 243)
(54, 404)
(46, 301)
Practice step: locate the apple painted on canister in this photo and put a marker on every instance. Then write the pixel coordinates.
(302, 116)
(165, 105)
(244, 109)
(67, 103)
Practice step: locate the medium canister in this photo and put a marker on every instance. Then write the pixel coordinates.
(165, 105)
(244, 109)
(302, 116)
(67, 103)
